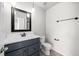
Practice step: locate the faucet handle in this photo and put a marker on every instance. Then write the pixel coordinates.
(23, 34)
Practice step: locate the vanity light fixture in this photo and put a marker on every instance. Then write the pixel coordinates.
(28, 15)
(33, 9)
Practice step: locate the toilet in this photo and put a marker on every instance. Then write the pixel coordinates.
(45, 46)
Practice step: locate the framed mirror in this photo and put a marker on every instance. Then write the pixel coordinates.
(20, 20)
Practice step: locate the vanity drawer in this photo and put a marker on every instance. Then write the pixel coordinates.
(13, 46)
(15, 53)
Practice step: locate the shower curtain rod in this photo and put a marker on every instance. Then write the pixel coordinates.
(76, 18)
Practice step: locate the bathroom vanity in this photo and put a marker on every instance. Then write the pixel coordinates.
(27, 46)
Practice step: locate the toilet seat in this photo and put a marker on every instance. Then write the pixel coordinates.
(47, 46)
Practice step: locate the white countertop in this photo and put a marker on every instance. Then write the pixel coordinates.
(18, 38)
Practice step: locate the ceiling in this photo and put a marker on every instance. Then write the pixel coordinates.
(45, 5)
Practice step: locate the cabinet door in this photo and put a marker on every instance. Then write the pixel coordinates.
(15, 53)
(34, 48)
(36, 54)
(25, 53)
(13, 46)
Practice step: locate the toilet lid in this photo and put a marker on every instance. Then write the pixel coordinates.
(47, 45)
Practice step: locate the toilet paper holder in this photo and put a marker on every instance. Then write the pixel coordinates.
(2, 50)
(57, 39)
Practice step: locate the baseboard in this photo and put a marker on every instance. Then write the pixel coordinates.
(55, 53)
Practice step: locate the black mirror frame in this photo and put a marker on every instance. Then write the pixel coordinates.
(12, 20)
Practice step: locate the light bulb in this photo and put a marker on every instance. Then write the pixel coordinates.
(28, 15)
(33, 9)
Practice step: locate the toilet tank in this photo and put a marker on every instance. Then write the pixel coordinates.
(42, 39)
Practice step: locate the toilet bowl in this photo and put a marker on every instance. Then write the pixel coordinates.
(45, 46)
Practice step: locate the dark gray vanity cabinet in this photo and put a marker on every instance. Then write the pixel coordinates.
(24, 48)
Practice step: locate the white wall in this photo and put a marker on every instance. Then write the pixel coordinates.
(2, 31)
(2, 26)
(66, 31)
(38, 17)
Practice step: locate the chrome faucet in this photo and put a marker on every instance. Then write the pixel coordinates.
(23, 34)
